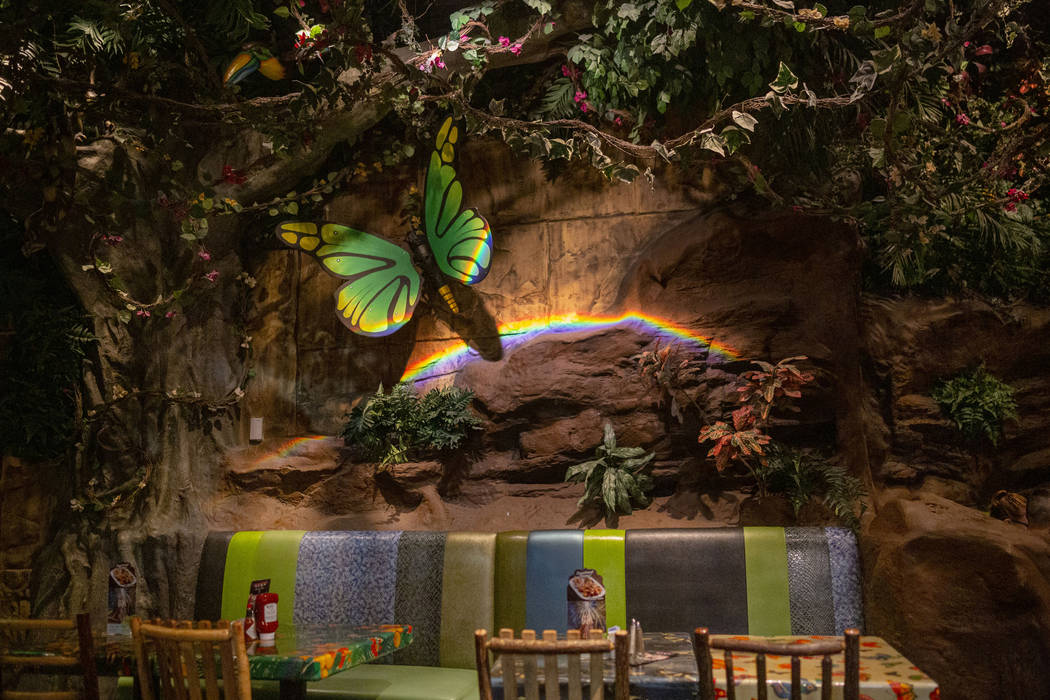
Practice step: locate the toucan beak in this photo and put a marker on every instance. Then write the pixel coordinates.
(272, 69)
(242, 65)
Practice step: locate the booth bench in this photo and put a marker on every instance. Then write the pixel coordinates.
(750, 580)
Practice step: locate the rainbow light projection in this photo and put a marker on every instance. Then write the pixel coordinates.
(452, 358)
(292, 448)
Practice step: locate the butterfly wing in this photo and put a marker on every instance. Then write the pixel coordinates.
(381, 288)
(459, 238)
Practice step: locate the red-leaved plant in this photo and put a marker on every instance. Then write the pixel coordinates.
(744, 440)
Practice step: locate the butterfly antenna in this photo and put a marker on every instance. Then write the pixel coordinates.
(446, 294)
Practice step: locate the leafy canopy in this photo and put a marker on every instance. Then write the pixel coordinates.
(402, 425)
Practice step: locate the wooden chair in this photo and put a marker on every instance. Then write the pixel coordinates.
(550, 648)
(65, 658)
(850, 644)
(183, 653)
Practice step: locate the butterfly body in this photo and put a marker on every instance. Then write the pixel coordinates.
(382, 287)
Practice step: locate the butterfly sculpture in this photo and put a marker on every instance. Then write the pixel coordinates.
(382, 286)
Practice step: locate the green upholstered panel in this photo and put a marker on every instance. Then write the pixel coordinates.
(371, 681)
(253, 555)
(511, 549)
(768, 598)
(604, 551)
(466, 594)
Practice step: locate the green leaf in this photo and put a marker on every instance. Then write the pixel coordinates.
(821, 9)
(713, 142)
(881, 32)
(786, 80)
(291, 208)
(682, 4)
(744, 120)
(799, 26)
(282, 11)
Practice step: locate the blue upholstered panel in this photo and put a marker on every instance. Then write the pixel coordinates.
(551, 558)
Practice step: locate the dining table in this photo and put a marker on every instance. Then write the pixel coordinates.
(885, 674)
(301, 653)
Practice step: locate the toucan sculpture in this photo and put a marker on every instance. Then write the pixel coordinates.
(251, 60)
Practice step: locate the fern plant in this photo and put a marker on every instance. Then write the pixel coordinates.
(978, 403)
(801, 477)
(401, 425)
(617, 480)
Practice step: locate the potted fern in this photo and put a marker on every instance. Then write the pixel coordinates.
(616, 481)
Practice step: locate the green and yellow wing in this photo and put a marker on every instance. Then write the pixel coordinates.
(382, 287)
(459, 238)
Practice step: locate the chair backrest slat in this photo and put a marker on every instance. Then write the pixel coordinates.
(211, 684)
(727, 657)
(183, 653)
(575, 677)
(529, 648)
(848, 646)
(597, 680)
(532, 681)
(82, 657)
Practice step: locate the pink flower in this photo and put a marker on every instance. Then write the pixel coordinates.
(961, 118)
(966, 43)
(580, 96)
(112, 239)
(617, 121)
(1009, 206)
(464, 38)
(204, 255)
(142, 313)
(212, 276)
(439, 63)
(945, 102)
(1002, 123)
(504, 41)
(584, 106)
(516, 49)
(170, 314)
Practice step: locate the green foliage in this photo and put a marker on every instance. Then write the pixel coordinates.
(402, 425)
(617, 480)
(977, 403)
(801, 477)
(41, 362)
(744, 440)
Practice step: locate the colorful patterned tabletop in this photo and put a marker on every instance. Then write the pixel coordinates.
(301, 653)
(313, 652)
(884, 673)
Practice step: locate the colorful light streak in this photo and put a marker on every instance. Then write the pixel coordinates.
(292, 448)
(514, 334)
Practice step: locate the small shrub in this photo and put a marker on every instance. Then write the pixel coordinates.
(400, 425)
(977, 403)
(616, 480)
(802, 477)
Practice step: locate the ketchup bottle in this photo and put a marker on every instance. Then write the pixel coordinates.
(266, 617)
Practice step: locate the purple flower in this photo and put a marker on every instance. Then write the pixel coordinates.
(961, 118)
